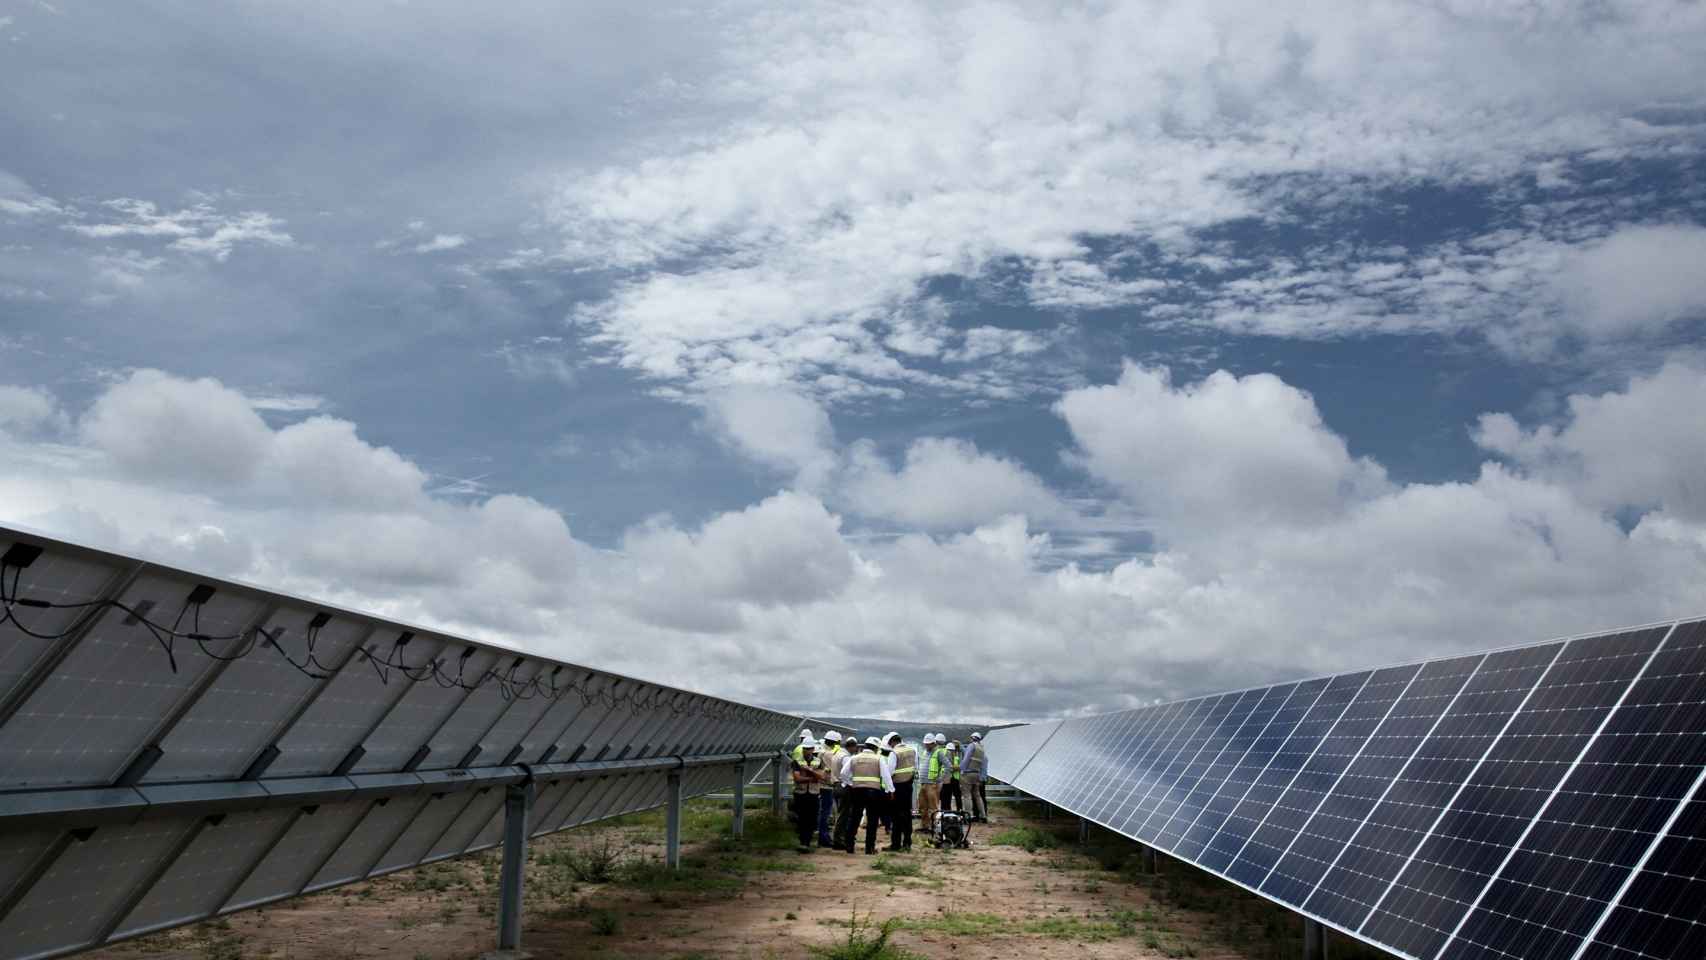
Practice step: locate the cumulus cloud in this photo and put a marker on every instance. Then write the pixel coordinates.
(777, 427)
(1313, 560)
(944, 483)
(27, 410)
(1224, 452)
(941, 482)
(860, 153)
(1638, 280)
(1641, 447)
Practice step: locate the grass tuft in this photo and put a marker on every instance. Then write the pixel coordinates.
(865, 941)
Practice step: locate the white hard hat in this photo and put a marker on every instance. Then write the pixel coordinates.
(832, 737)
(872, 742)
(892, 737)
(977, 736)
(806, 734)
(941, 738)
(929, 738)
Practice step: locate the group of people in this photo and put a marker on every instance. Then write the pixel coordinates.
(841, 781)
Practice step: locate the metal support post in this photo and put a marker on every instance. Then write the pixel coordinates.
(1083, 830)
(672, 823)
(518, 810)
(776, 767)
(1314, 940)
(1148, 857)
(1048, 811)
(740, 799)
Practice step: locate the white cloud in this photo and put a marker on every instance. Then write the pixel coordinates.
(777, 427)
(1225, 452)
(197, 432)
(539, 358)
(1638, 280)
(1314, 562)
(18, 199)
(199, 228)
(861, 152)
(227, 233)
(944, 483)
(28, 410)
(441, 242)
(1643, 447)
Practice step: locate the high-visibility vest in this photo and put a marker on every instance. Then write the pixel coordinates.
(832, 759)
(974, 760)
(905, 763)
(799, 753)
(936, 764)
(956, 774)
(868, 771)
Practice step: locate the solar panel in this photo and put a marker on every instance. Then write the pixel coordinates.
(1537, 802)
(175, 746)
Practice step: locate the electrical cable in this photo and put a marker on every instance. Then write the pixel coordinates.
(252, 638)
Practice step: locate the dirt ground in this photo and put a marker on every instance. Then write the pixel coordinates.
(1025, 888)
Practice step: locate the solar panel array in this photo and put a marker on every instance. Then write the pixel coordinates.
(1541, 802)
(175, 747)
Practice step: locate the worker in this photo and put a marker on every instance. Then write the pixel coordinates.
(951, 797)
(843, 780)
(831, 795)
(972, 768)
(904, 770)
(805, 738)
(871, 789)
(809, 777)
(884, 815)
(927, 786)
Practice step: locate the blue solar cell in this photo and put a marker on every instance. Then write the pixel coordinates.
(1463, 852)
(1188, 823)
(1153, 808)
(1249, 769)
(1129, 805)
(1320, 773)
(1399, 823)
(1324, 839)
(1176, 811)
(1604, 816)
(1659, 916)
(1258, 801)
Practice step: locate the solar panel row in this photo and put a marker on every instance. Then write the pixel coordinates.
(1536, 802)
(173, 747)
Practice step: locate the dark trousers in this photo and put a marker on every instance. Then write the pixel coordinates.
(805, 816)
(951, 799)
(901, 812)
(825, 815)
(843, 814)
(864, 802)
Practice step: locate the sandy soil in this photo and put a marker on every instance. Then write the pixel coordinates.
(758, 900)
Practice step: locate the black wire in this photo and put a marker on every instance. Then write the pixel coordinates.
(252, 638)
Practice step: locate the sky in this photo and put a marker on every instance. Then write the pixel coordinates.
(956, 360)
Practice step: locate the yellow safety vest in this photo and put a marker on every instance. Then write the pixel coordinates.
(905, 763)
(868, 771)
